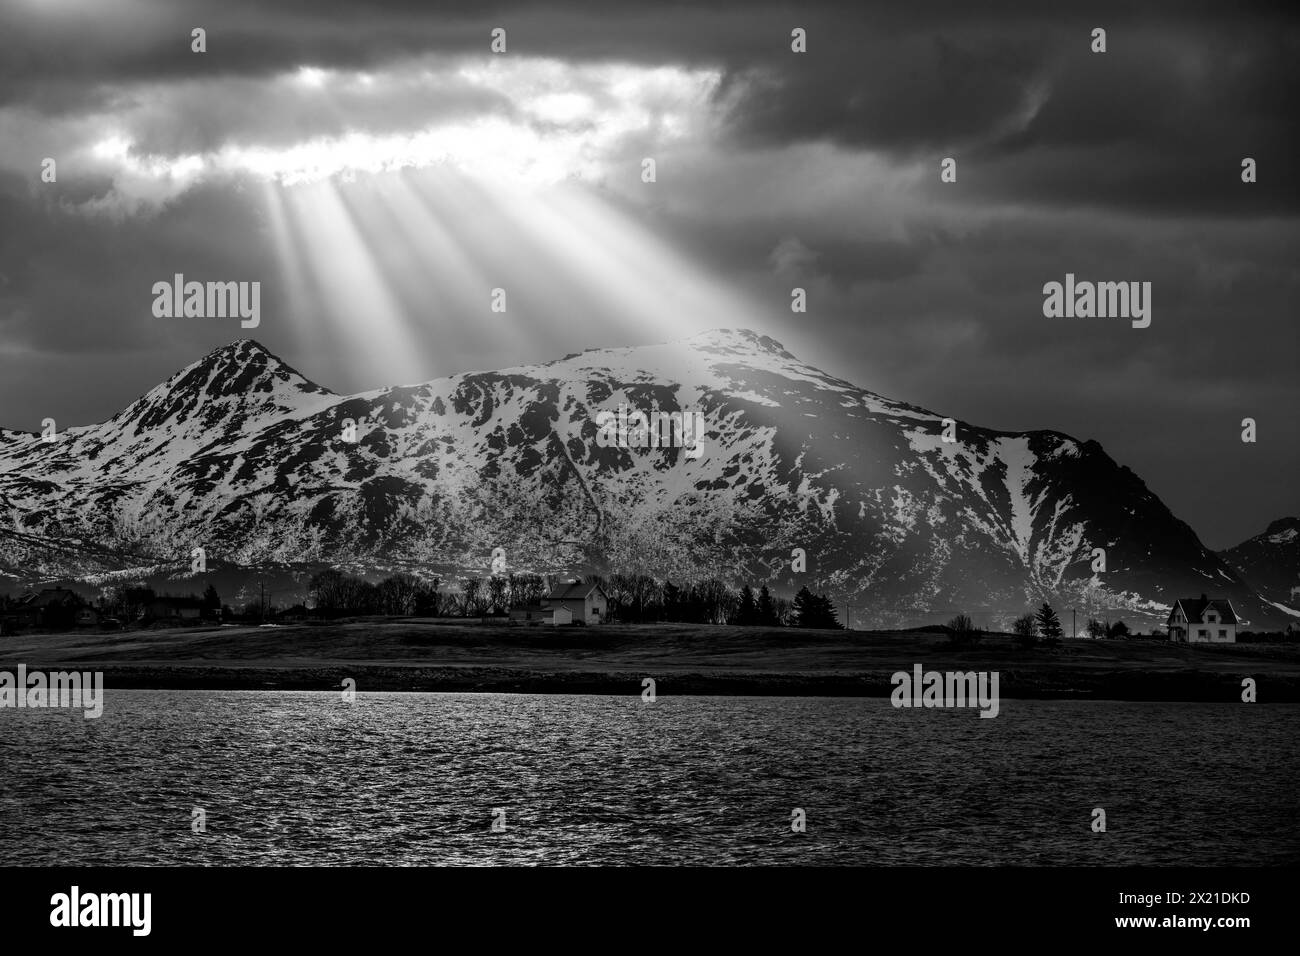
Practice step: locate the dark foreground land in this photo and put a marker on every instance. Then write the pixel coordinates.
(426, 655)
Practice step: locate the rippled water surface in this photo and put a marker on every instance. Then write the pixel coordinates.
(303, 778)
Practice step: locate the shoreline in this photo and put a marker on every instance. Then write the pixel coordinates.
(1188, 687)
(415, 655)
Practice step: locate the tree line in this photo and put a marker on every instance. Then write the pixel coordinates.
(1035, 627)
(631, 599)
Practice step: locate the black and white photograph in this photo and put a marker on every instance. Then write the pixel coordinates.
(654, 439)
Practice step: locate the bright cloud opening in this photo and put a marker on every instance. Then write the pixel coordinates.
(526, 121)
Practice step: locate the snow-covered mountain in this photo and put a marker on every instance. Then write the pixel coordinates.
(1271, 561)
(241, 455)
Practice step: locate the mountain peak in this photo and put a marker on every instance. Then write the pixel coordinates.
(1270, 561)
(242, 366)
(244, 346)
(241, 350)
(243, 374)
(739, 340)
(1283, 524)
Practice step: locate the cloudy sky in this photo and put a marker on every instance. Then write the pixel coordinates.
(379, 170)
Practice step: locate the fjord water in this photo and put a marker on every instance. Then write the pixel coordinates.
(290, 778)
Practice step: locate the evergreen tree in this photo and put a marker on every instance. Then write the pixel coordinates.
(766, 610)
(826, 613)
(1049, 625)
(747, 612)
(803, 608)
(813, 610)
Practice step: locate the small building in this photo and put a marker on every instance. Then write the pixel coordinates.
(533, 614)
(585, 602)
(49, 608)
(1202, 620)
(175, 609)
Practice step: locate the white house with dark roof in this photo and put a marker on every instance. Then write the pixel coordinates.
(1202, 620)
(586, 602)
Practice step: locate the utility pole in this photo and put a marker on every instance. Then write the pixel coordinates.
(262, 582)
(1074, 623)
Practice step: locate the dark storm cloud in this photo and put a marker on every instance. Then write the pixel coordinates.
(94, 274)
(900, 93)
(48, 57)
(840, 260)
(1159, 123)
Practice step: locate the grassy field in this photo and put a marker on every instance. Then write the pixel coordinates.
(414, 654)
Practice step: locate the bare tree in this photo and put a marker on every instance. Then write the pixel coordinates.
(496, 594)
(471, 589)
(963, 630)
(397, 594)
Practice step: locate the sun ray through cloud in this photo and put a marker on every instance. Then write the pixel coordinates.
(355, 297)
